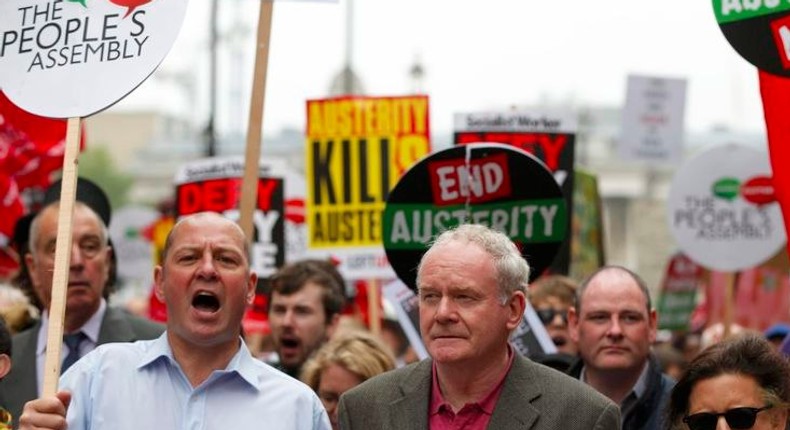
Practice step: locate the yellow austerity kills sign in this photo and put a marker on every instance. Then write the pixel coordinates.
(356, 149)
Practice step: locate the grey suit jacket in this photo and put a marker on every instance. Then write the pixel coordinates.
(533, 397)
(20, 385)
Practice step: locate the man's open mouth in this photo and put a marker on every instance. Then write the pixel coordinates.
(205, 301)
(289, 343)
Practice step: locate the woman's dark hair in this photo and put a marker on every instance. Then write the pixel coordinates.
(747, 355)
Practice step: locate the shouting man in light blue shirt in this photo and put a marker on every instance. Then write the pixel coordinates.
(199, 374)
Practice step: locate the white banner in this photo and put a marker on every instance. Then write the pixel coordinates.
(652, 127)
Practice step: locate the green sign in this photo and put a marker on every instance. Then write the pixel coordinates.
(410, 226)
(736, 10)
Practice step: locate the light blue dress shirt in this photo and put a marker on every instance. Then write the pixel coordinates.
(140, 386)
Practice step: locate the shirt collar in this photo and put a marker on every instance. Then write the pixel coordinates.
(91, 327)
(640, 387)
(487, 403)
(242, 363)
(641, 384)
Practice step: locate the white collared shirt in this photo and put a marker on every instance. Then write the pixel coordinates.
(140, 385)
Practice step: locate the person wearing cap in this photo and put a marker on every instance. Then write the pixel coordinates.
(776, 334)
(89, 321)
(200, 373)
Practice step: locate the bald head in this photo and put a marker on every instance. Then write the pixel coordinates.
(609, 274)
(199, 218)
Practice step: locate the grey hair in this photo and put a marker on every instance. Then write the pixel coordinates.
(613, 268)
(511, 267)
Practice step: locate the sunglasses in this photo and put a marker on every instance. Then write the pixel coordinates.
(547, 315)
(737, 418)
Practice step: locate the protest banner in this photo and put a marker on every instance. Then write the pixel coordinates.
(760, 32)
(652, 126)
(71, 59)
(678, 293)
(722, 211)
(31, 149)
(587, 233)
(761, 297)
(356, 149)
(492, 184)
(67, 59)
(549, 136)
(214, 184)
(407, 310)
(131, 246)
(530, 338)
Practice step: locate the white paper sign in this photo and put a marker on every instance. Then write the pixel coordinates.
(132, 249)
(406, 306)
(652, 128)
(722, 209)
(73, 58)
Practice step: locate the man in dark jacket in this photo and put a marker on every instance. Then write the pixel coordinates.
(614, 326)
(89, 320)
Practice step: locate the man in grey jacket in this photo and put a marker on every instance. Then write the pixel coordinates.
(472, 284)
(88, 319)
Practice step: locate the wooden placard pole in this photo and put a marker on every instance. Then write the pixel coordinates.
(60, 276)
(729, 304)
(252, 154)
(374, 301)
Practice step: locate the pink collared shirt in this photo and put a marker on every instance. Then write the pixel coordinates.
(472, 416)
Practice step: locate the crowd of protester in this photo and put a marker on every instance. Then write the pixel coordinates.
(319, 366)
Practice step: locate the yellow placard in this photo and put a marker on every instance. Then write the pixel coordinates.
(356, 150)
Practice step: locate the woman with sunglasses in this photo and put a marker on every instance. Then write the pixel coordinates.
(737, 384)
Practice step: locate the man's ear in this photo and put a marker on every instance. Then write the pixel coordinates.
(5, 365)
(573, 324)
(252, 285)
(516, 306)
(159, 288)
(30, 262)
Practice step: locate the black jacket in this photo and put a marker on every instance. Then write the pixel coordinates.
(649, 412)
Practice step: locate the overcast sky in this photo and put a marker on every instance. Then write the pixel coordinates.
(477, 55)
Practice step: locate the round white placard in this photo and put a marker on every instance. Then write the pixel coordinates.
(721, 209)
(73, 58)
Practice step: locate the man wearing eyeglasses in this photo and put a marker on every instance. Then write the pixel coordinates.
(614, 325)
(88, 321)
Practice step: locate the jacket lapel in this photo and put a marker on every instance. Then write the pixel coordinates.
(511, 412)
(406, 411)
(115, 328)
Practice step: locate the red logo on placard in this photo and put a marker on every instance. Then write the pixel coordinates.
(759, 190)
(781, 31)
(476, 181)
